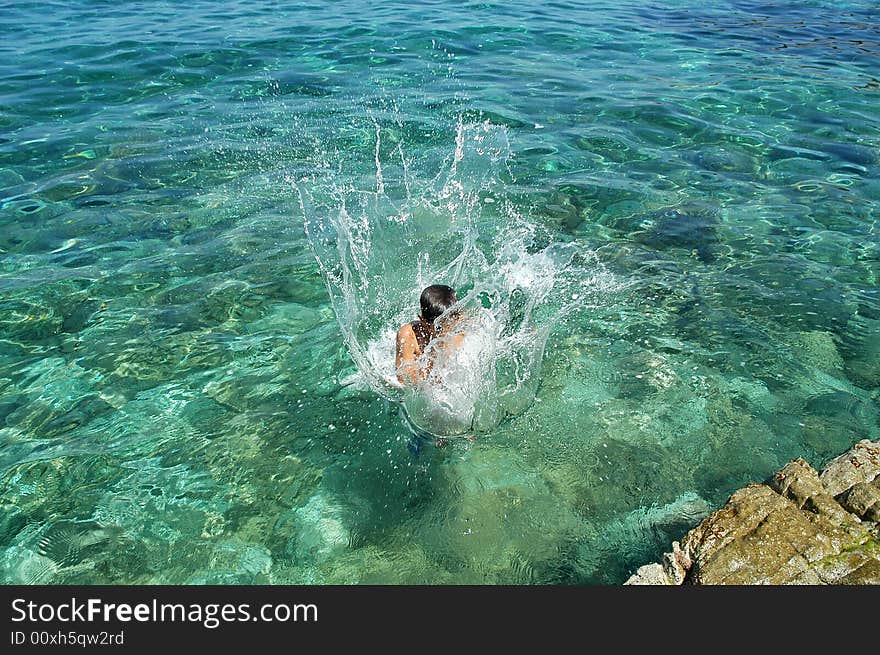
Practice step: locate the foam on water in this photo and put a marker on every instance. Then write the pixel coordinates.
(378, 248)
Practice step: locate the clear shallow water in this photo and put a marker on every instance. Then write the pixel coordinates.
(173, 397)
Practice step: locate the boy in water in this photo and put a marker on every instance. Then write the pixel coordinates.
(413, 338)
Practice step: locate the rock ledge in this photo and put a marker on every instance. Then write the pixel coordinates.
(798, 527)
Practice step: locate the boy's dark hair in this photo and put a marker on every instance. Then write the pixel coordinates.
(435, 300)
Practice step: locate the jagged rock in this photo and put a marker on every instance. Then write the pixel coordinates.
(799, 482)
(856, 566)
(863, 500)
(676, 564)
(798, 528)
(649, 574)
(759, 537)
(861, 464)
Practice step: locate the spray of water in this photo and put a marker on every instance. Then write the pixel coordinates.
(378, 248)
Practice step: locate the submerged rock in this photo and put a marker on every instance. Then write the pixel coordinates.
(817, 349)
(852, 153)
(640, 529)
(321, 530)
(689, 226)
(67, 542)
(12, 519)
(861, 352)
(21, 566)
(234, 562)
(834, 420)
(504, 523)
(800, 527)
(725, 160)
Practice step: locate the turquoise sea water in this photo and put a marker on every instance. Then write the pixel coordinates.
(179, 401)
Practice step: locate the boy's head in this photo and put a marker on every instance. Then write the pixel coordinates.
(435, 300)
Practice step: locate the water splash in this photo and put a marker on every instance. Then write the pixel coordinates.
(378, 248)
